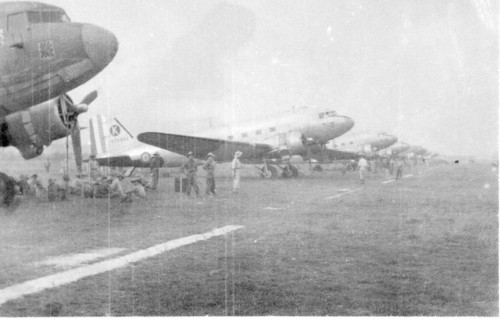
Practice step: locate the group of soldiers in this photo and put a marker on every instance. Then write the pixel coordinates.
(388, 164)
(190, 168)
(95, 185)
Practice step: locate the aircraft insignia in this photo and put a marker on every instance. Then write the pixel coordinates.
(114, 130)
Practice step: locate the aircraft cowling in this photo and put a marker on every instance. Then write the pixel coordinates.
(32, 129)
(367, 149)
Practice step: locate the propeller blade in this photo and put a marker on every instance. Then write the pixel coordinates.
(78, 109)
(77, 146)
(89, 98)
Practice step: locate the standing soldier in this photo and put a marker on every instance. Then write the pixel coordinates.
(46, 163)
(94, 168)
(236, 167)
(399, 168)
(189, 168)
(362, 167)
(209, 166)
(154, 166)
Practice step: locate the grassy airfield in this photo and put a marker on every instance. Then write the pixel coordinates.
(318, 245)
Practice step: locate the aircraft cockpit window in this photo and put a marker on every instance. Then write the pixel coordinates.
(35, 17)
(331, 114)
(17, 22)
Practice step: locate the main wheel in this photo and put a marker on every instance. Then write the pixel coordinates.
(268, 172)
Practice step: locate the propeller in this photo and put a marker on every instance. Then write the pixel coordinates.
(70, 113)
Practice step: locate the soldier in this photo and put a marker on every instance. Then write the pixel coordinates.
(236, 167)
(55, 192)
(46, 163)
(209, 166)
(189, 168)
(7, 190)
(137, 190)
(154, 166)
(94, 168)
(362, 167)
(115, 187)
(36, 186)
(399, 168)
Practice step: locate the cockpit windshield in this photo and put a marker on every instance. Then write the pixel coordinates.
(331, 113)
(35, 17)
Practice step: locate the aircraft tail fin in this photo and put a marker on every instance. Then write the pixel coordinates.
(108, 137)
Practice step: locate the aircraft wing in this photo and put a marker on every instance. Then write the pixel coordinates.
(222, 149)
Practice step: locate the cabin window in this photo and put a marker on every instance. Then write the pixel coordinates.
(35, 17)
(18, 22)
(343, 144)
(272, 129)
(321, 115)
(351, 142)
(258, 132)
(230, 137)
(244, 135)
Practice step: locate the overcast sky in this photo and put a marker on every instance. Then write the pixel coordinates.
(426, 71)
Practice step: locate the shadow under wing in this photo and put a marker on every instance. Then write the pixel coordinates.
(222, 149)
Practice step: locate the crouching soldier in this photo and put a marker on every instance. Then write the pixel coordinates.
(137, 190)
(101, 188)
(55, 191)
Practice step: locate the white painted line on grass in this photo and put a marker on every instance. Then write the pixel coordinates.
(69, 276)
(409, 175)
(334, 196)
(389, 181)
(348, 191)
(343, 189)
(77, 259)
(273, 208)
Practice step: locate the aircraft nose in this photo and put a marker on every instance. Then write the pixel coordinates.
(100, 45)
(347, 123)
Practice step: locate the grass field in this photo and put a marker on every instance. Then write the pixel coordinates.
(318, 245)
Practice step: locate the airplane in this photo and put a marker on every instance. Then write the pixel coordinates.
(352, 146)
(113, 145)
(394, 149)
(43, 55)
(301, 132)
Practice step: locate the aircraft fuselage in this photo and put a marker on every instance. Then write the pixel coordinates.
(43, 54)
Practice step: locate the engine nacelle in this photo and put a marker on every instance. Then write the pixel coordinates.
(32, 129)
(296, 142)
(367, 149)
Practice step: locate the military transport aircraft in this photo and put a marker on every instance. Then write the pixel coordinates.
(394, 149)
(43, 55)
(114, 145)
(301, 132)
(351, 146)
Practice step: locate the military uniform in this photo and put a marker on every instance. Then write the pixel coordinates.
(362, 167)
(155, 170)
(189, 168)
(236, 167)
(209, 166)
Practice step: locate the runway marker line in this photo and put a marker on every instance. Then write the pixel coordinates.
(346, 191)
(389, 181)
(66, 277)
(77, 259)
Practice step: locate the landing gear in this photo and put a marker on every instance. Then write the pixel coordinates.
(268, 171)
(317, 168)
(289, 171)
